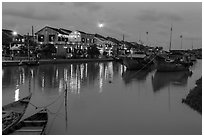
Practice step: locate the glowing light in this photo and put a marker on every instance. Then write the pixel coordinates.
(16, 94)
(101, 25)
(15, 33)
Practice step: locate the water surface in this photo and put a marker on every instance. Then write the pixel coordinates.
(104, 98)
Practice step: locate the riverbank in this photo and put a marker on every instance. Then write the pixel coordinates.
(6, 63)
(194, 98)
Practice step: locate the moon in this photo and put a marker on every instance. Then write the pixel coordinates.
(100, 25)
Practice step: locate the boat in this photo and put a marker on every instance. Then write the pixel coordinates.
(13, 112)
(167, 64)
(32, 63)
(117, 59)
(33, 125)
(137, 61)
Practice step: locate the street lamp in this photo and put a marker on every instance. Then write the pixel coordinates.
(181, 40)
(14, 33)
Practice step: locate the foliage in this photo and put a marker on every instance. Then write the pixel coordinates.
(93, 51)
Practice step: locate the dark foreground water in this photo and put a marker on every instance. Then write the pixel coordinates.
(104, 98)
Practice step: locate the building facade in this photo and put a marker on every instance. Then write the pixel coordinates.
(57, 37)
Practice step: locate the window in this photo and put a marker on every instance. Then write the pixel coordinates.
(51, 38)
(41, 38)
(59, 39)
(83, 40)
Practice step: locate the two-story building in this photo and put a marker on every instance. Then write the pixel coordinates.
(11, 42)
(57, 37)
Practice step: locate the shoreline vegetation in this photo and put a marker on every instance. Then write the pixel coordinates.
(194, 97)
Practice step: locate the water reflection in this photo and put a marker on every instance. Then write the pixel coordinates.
(13, 76)
(127, 111)
(163, 79)
(54, 76)
(16, 96)
(130, 76)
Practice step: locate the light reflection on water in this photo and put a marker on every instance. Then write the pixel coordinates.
(105, 98)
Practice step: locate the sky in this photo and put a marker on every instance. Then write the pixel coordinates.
(133, 19)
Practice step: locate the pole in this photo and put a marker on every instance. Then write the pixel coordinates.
(181, 40)
(147, 37)
(28, 47)
(32, 33)
(66, 90)
(192, 44)
(170, 38)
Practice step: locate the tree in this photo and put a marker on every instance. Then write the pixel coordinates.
(93, 51)
(47, 50)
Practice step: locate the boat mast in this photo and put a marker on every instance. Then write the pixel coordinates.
(170, 38)
(192, 44)
(28, 47)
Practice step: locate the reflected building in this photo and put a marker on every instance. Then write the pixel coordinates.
(56, 76)
(13, 76)
(164, 79)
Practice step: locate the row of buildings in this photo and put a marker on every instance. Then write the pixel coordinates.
(65, 41)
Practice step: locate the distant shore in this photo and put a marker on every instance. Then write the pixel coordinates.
(194, 98)
(6, 63)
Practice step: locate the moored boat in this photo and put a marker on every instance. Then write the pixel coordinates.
(137, 61)
(33, 125)
(164, 64)
(13, 112)
(32, 63)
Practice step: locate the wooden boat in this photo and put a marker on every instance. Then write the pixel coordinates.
(12, 113)
(164, 64)
(137, 61)
(32, 63)
(33, 125)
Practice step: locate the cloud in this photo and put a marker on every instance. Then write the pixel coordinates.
(90, 6)
(155, 16)
(31, 13)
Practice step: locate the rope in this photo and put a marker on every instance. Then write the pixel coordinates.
(146, 64)
(48, 130)
(36, 107)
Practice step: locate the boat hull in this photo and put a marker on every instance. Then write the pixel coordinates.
(136, 64)
(33, 125)
(162, 65)
(12, 113)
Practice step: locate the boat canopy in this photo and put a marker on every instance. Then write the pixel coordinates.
(137, 55)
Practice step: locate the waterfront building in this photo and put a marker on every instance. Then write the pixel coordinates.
(83, 39)
(57, 37)
(11, 42)
(101, 42)
(117, 46)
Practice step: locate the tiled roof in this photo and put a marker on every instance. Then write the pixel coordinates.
(55, 29)
(67, 31)
(9, 33)
(100, 36)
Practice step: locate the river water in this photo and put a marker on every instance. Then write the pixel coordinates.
(104, 98)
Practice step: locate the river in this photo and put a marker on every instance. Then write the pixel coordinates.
(105, 99)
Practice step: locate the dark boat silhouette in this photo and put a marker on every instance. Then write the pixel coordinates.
(13, 112)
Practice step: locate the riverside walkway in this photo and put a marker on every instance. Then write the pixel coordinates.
(53, 61)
